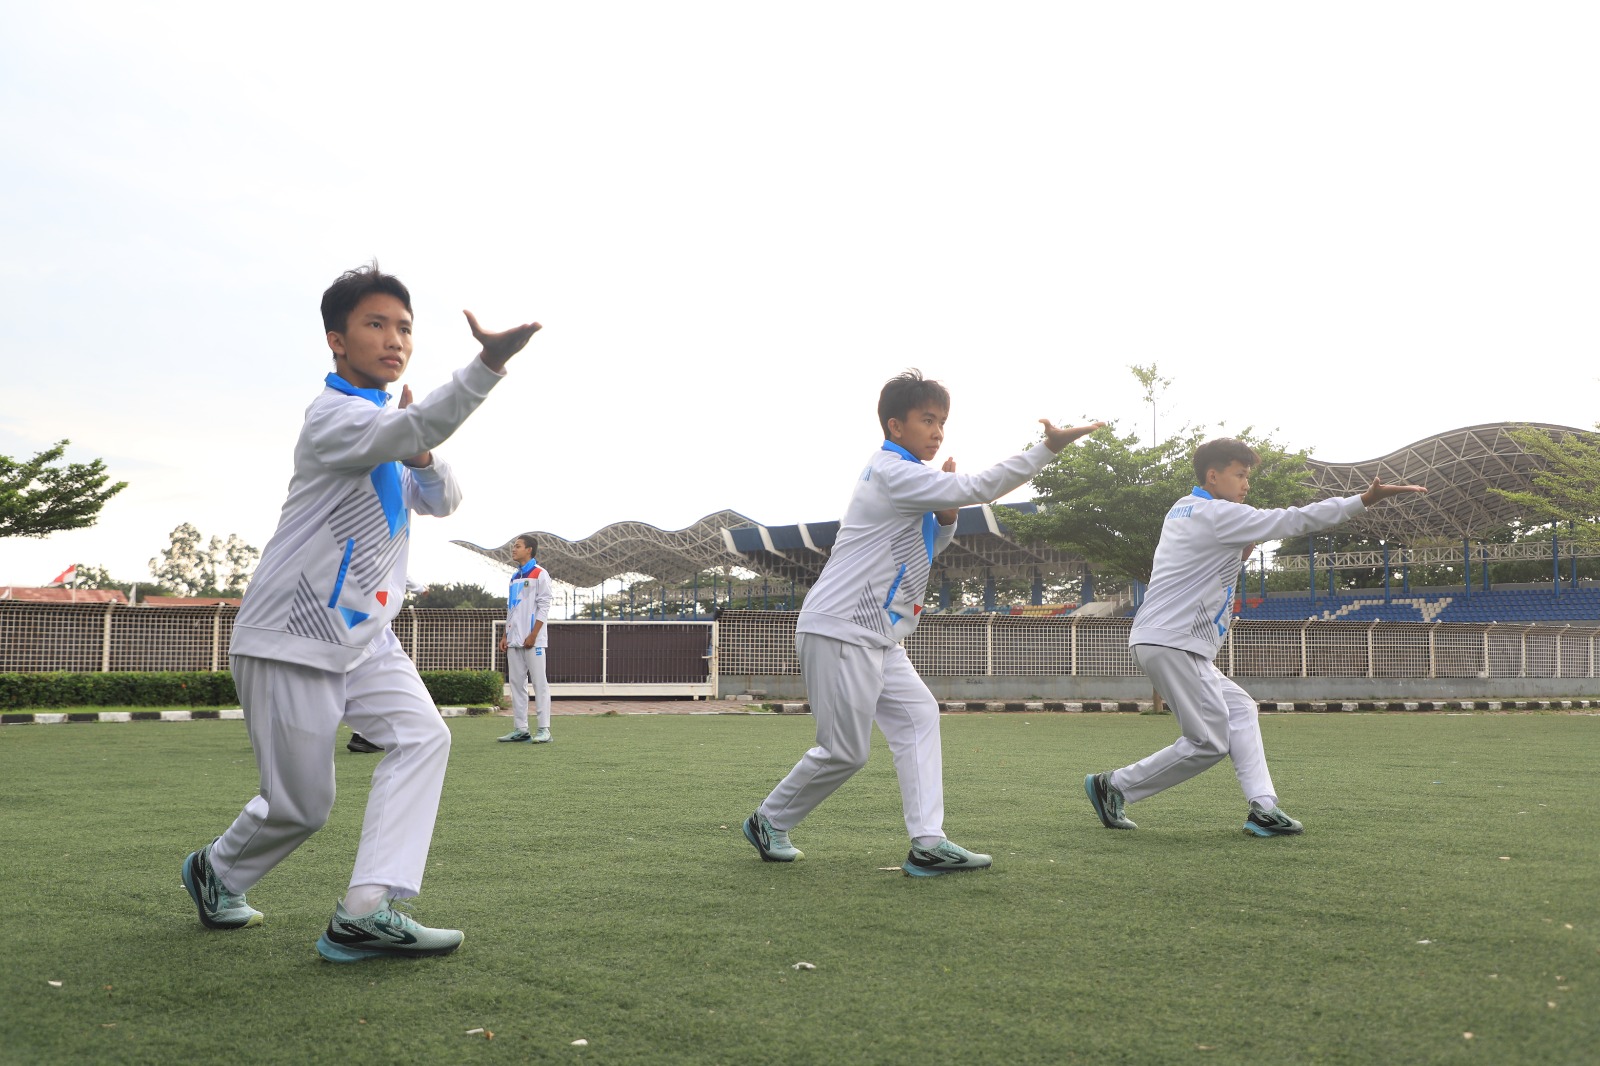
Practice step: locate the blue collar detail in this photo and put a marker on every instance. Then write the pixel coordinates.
(891, 446)
(1202, 493)
(527, 568)
(339, 384)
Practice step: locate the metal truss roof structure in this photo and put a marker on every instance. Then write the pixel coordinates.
(631, 548)
(786, 553)
(1458, 467)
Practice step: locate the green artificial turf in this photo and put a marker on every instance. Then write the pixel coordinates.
(1447, 884)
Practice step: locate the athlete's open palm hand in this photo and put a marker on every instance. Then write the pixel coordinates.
(1378, 492)
(1056, 439)
(499, 347)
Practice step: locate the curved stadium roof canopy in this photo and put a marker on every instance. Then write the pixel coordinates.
(786, 553)
(1458, 467)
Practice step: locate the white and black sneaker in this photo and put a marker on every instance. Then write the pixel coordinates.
(361, 745)
(386, 931)
(945, 857)
(773, 844)
(218, 908)
(1274, 823)
(1106, 799)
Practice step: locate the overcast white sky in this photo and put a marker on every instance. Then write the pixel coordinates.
(1361, 223)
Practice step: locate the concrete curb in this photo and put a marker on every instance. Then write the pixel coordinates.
(233, 715)
(949, 707)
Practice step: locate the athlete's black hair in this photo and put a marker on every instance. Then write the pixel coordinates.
(907, 392)
(342, 296)
(1219, 454)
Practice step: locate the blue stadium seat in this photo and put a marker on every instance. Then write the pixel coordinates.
(1495, 605)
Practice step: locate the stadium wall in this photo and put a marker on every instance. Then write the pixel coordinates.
(998, 656)
(962, 656)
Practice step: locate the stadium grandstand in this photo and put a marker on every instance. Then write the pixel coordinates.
(1443, 528)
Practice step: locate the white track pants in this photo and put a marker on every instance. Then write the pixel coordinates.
(293, 714)
(850, 687)
(521, 663)
(1218, 719)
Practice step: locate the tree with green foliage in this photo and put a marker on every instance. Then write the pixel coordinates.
(98, 577)
(39, 497)
(1105, 497)
(1150, 379)
(458, 596)
(229, 564)
(217, 569)
(1567, 490)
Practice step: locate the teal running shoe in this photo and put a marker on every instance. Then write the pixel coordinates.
(542, 736)
(1107, 801)
(945, 857)
(516, 736)
(773, 844)
(1273, 823)
(385, 932)
(219, 908)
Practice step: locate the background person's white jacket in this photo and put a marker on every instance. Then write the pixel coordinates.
(527, 602)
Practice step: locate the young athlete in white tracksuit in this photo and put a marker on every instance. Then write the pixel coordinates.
(869, 598)
(312, 647)
(1183, 622)
(526, 641)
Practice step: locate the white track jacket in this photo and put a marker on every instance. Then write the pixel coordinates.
(871, 589)
(527, 602)
(1189, 604)
(334, 574)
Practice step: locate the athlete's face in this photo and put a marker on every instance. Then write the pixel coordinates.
(1231, 483)
(375, 346)
(920, 432)
(520, 553)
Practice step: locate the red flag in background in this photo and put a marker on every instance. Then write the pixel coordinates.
(65, 576)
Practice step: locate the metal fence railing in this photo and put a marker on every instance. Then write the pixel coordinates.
(586, 658)
(761, 643)
(685, 656)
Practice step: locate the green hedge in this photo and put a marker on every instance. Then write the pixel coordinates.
(170, 689)
(452, 688)
(165, 689)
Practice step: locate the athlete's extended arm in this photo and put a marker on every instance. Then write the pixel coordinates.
(1377, 492)
(499, 347)
(1056, 439)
